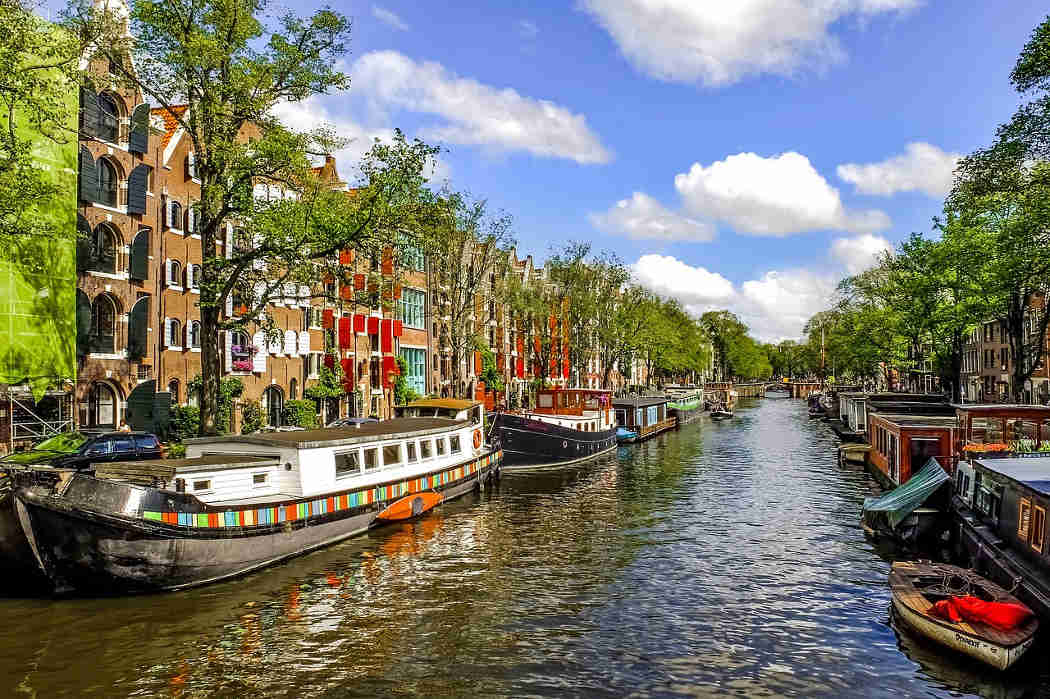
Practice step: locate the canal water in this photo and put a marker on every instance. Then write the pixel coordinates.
(724, 558)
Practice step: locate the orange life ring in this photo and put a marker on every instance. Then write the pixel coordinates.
(477, 439)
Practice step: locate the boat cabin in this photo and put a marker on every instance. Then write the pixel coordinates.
(685, 394)
(855, 407)
(1012, 496)
(1001, 429)
(903, 444)
(313, 462)
(721, 392)
(451, 408)
(646, 416)
(583, 409)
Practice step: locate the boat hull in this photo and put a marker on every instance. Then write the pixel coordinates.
(527, 442)
(687, 415)
(88, 545)
(1000, 657)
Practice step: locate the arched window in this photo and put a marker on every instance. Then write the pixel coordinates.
(107, 182)
(102, 406)
(293, 389)
(175, 273)
(195, 334)
(104, 250)
(173, 389)
(103, 324)
(108, 118)
(175, 333)
(194, 276)
(273, 401)
(175, 215)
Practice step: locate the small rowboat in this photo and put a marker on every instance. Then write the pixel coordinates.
(854, 453)
(917, 586)
(410, 507)
(721, 414)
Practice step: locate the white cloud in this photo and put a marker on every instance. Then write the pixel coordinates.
(859, 253)
(775, 196)
(693, 286)
(921, 167)
(642, 217)
(476, 114)
(527, 30)
(389, 17)
(720, 42)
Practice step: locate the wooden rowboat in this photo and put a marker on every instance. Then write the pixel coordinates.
(916, 586)
(854, 453)
(411, 506)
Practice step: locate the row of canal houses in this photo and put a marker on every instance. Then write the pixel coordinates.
(989, 493)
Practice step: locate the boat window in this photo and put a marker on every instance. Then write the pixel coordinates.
(426, 449)
(475, 415)
(453, 443)
(371, 458)
(392, 455)
(198, 486)
(1038, 528)
(440, 446)
(260, 478)
(546, 400)
(1024, 518)
(348, 463)
(411, 447)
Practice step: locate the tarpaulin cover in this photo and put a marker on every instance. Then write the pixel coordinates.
(902, 501)
(1004, 616)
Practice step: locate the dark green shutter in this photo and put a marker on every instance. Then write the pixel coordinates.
(139, 412)
(139, 267)
(137, 189)
(87, 180)
(88, 112)
(85, 244)
(138, 139)
(138, 329)
(83, 324)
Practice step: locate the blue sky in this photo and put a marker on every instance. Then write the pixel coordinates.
(743, 155)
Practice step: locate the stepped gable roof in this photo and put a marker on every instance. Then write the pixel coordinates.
(171, 123)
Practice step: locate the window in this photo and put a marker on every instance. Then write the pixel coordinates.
(440, 446)
(411, 448)
(415, 368)
(392, 455)
(173, 389)
(108, 119)
(413, 308)
(453, 443)
(426, 450)
(147, 441)
(174, 273)
(1024, 518)
(371, 458)
(103, 324)
(107, 183)
(174, 333)
(347, 463)
(198, 486)
(1038, 528)
(193, 276)
(195, 334)
(174, 215)
(412, 257)
(103, 253)
(260, 479)
(293, 389)
(374, 376)
(374, 345)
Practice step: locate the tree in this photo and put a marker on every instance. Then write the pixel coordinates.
(725, 331)
(468, 257)
(231, 69)
(619, 332)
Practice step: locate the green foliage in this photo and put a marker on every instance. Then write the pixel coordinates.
(230, 388)
(403, 394)
(185, 422)
(300, 413)
(329, 384)
(252, 416)
(489, 374)
(175, 450)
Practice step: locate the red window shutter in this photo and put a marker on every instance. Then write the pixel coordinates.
(348, 374)
(328, 319)
(359, 282)
(329, 361)
(477, 362)
(521, 368)
(359, 323)
(373, 325)
(346, 257)
(389, 370)
(346, 292)
(345, 336)
(386, 340)
(499, 361)
(521, 345)
(399, 328)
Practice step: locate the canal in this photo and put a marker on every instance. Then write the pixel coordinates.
(719, 559)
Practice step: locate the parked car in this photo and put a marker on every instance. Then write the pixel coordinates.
(351, 421)
(112, 446)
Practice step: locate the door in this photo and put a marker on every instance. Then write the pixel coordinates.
(921, 450)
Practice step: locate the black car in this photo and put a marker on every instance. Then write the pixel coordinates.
(112, 446)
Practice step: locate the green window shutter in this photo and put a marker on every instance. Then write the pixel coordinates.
(138, 329)
(88, 112)
(139, 267)
(83, 324)
(85, 248)
(138, 139)
(137, 181)
(87, 180)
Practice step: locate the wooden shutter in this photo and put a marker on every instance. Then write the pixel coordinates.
(87, 179)
(228, 347)
(138, 139)
(291, 343)
(166, 333)
(137, 181)
(304, 344)
(191, 169)
(84, 318)
(259, 358)
(88, 112)
(139, 266)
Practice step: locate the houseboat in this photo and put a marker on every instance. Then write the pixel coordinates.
(852, 423)
(901, 444)
(720, 394)
(566, 426)
(645, 417)
(239, 503)
(687, 403)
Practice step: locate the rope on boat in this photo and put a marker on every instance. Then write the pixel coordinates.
(961, 583)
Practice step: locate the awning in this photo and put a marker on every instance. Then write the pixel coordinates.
(903, 500)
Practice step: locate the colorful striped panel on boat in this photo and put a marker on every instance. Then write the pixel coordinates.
(322, 505)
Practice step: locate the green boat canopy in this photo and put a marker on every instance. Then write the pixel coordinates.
(903, 500)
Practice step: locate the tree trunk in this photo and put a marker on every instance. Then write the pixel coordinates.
(211, 371)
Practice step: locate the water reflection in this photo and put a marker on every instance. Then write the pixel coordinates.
(721, 559)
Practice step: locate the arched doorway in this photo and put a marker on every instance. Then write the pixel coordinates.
(273, 403)
(103, 407)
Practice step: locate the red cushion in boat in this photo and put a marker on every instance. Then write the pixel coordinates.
(944, 609)
(999, 615)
